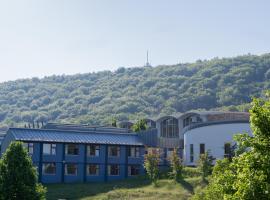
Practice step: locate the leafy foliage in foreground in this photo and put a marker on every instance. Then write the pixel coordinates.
(18, 176)
(135, 93)
(247, 176)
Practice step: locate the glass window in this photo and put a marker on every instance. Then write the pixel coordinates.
(134, 152)
(71, 169)
(72, 149)
(169, 128)
(114, 151)
(113, 170)
(133, 170)
(191, 153)
(92, 170)
(49, 149)
(49, 168)
(202, 148)
(29, 147)
(227, 150)
(93, 150)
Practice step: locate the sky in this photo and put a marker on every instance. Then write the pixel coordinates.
(44, 37)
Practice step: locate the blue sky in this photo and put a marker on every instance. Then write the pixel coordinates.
(39, 38)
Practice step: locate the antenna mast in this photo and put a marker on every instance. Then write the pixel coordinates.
(147, 60)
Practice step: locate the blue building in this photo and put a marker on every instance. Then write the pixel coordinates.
(81, 153)
(70, 153)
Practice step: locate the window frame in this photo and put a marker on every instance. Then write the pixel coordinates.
(66, 150)
(97, 168)
(97, 149)
(118, 151)
(66, 169)
(191, 153)
(29, 147)
(227, 147)
(202, 148)
(136, 153)
(43, 168)
(110, 168)
(130, 170)
(52, 147)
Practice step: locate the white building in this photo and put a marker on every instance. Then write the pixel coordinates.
(194, 133)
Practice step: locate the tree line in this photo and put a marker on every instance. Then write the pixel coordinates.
(136, 93)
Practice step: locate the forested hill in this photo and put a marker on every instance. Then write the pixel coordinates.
(131, 93)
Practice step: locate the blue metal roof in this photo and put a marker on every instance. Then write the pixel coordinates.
(44, 135)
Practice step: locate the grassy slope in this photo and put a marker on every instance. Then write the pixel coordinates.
(139, 188)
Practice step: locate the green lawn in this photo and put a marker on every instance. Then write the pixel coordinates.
(139, 188)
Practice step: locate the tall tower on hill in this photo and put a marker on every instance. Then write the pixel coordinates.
(147, 64)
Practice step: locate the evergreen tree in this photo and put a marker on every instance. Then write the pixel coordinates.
(176, 166)
(18, 176)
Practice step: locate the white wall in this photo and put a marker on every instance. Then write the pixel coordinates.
(214, 137)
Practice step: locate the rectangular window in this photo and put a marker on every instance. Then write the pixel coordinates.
(191, 153)
(133, 170)
(92, 170)
(49, 168)
(227, 150)
(202, 148)
(49, 149)
(29, 147)
(72, 149)
(113, 151)
(93, 150)
(113, 170)
(71, 169)
(134, 152)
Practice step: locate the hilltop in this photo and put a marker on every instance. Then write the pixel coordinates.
(131, 93)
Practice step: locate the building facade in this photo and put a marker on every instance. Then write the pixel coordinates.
(81, 153)
(81, 156)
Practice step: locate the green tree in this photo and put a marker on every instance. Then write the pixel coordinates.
(114, 122)
(18, 176)
(205, 164)
(248, 175)
(176, 166)
(139, 126)
(151, 162)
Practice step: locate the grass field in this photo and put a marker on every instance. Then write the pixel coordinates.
(139, 188)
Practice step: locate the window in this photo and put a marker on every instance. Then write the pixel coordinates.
(191, 153)
(113, 170)
(133, 170)
(92, 170)
(71, 169)
(29, 147)
(114, 151)
(227, 150)
(93, 150)
(202, 148)
(49, 168)
(72, 149)
(169, 128)
(49, 149)
(134, 152)
(187, 121)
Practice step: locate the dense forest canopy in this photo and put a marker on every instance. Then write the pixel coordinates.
(132, 93)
